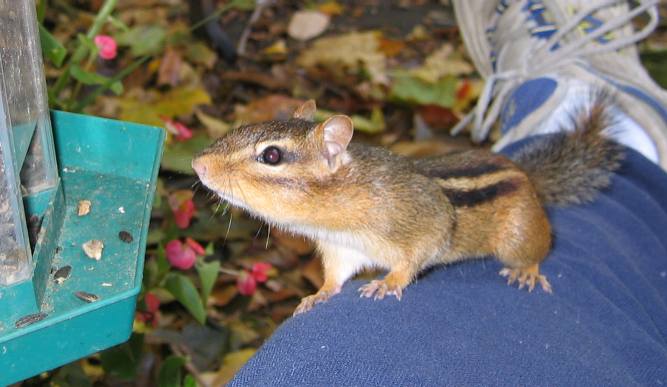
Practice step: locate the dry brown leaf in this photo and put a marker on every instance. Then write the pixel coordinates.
(282, 295)
(348, 52)
(169, 72)
(258, 301)
(221, 297)
(391, 47)
(231, 364)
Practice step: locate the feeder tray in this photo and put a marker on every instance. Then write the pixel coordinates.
(60, 301)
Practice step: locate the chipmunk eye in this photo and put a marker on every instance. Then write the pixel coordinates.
(271, 155)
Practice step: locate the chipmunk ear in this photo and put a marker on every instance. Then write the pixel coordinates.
(335, 134)
(306, 111)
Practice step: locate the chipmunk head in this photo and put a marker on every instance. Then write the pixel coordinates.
(275, 168)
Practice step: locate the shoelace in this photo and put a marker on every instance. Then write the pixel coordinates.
(551, 55)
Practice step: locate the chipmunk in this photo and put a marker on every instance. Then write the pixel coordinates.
(367, 207)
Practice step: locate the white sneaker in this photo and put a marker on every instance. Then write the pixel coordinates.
(540, 59)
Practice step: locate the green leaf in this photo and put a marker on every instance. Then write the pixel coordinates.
(182, 288)
(123, 360)
(143, 40)
(413, 90)
(208, 273)
(41, 11)
(117, 23)
(88, 78)
(87, 42)
(51, 47)
(189, 381)
(175, 102)
(178, 155)
(171, 372)
(654, 61)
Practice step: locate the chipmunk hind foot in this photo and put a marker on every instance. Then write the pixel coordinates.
(527, 277)
(393, 285)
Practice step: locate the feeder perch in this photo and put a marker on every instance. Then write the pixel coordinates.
(57, 304)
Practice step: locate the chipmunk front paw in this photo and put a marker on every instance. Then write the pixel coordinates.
(307, 303)
(527, 276)
(380, 288)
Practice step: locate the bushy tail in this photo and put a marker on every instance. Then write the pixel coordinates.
(571, 166)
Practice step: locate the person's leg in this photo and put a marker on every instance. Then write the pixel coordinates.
(606, 322)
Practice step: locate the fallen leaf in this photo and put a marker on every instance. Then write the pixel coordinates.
(199, 53)
(222, 297)
(348, 52)
(169, 72)
(231, 364)
(442, 62)
(150, 107)
(331, 8)
(214, 126)
(410, 89)
(307, 24)
(258, 301)
(242, 334)
(279, 49)
(143, 39)
(391, 47)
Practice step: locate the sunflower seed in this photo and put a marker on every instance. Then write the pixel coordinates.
(125, 236)
(88, 297)
(62, 274)
(30, 319)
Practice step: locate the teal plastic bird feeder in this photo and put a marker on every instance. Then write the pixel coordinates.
(75, 203)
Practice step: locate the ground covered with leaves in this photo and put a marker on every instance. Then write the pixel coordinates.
(217, 283)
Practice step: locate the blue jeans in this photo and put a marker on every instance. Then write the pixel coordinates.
(605, 324)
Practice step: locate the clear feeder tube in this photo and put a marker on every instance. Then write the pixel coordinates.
(26, 141)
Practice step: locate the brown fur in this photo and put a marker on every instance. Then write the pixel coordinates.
(365, 206)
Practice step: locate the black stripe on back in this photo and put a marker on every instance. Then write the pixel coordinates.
(472, 171)
(461, 198)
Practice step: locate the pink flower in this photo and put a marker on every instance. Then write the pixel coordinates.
(152, 302)
(182, 207)
(246, 283)
(247, 280)
(259, 271)
(180, 255)
(184, 213)
(107, 46)
(199, 249)
(178, 129)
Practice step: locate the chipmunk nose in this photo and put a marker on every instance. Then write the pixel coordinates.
(199, 167)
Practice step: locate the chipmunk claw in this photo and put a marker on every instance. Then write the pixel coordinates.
(307, 303)
(378, 289)
(527, 277)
